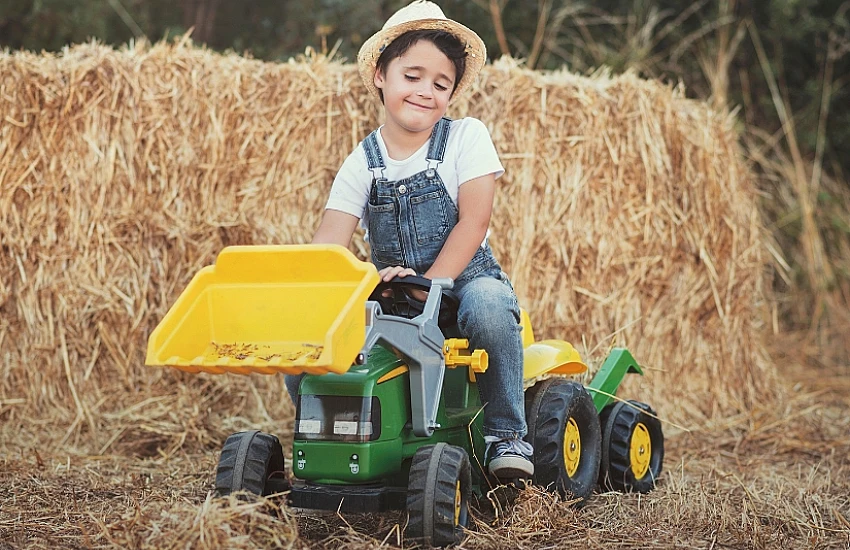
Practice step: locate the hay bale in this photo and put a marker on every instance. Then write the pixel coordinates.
(626, 215)
(630, 218)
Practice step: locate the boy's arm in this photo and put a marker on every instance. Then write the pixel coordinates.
(475, 205)
(336, 228)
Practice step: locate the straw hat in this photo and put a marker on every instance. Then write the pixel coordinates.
(421, 14)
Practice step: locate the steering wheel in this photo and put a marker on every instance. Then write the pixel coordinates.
(401, 302)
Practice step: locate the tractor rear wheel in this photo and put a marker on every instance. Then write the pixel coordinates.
(563, 427)
(438, 494)
(632, 447)
(250, 461)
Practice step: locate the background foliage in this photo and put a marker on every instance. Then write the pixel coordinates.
(784, 64)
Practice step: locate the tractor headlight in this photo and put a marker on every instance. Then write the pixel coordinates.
(338, 418)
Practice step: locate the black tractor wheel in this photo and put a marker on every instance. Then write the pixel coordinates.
(563, 427)
(632, 447)
(438, 494)
(250, 461)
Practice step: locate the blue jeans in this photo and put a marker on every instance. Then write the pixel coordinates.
(489, 317)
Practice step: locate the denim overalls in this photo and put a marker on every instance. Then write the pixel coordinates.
(409, 221)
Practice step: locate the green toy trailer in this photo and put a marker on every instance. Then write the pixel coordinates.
(389, 416)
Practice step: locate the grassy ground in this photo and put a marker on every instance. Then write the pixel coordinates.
(777, 478)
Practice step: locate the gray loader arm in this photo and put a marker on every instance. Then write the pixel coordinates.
(419, 342)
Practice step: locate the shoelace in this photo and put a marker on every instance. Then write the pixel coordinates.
(513, 446)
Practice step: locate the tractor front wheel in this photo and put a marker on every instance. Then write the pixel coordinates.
(438, 494)
(563, 427)
(632, 447)
(250, 461)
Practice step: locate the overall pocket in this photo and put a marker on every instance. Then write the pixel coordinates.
(433, 219)
(384, 236)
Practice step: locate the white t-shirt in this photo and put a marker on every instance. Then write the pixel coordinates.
(470, 154)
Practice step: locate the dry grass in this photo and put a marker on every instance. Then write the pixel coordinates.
(777, 478)
(626, 216)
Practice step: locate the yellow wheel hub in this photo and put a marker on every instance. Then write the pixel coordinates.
(572, 447)
(640, 450)
(458, 502)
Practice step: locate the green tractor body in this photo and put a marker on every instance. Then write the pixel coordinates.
(353, 432)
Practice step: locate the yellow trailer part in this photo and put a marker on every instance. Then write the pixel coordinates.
(551, 357)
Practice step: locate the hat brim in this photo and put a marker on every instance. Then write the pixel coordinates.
(476, 52)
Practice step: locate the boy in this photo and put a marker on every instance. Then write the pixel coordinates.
(422, 186)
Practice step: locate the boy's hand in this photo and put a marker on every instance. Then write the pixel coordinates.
(389, 273)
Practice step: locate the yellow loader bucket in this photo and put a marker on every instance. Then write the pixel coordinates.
(268, 309)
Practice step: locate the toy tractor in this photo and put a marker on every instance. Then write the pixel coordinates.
(389, 416)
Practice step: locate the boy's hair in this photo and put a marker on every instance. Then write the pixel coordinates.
(446, 42)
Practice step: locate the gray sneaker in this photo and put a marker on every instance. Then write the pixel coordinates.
(509, 458)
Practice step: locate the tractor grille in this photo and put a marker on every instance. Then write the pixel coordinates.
(338, 418)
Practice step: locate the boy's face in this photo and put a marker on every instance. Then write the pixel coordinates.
(417, 87)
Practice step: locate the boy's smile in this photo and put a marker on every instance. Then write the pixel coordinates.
(417, 87)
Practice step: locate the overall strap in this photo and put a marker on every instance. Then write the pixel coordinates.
(439, 139)
(436, 149)
(373, 157)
